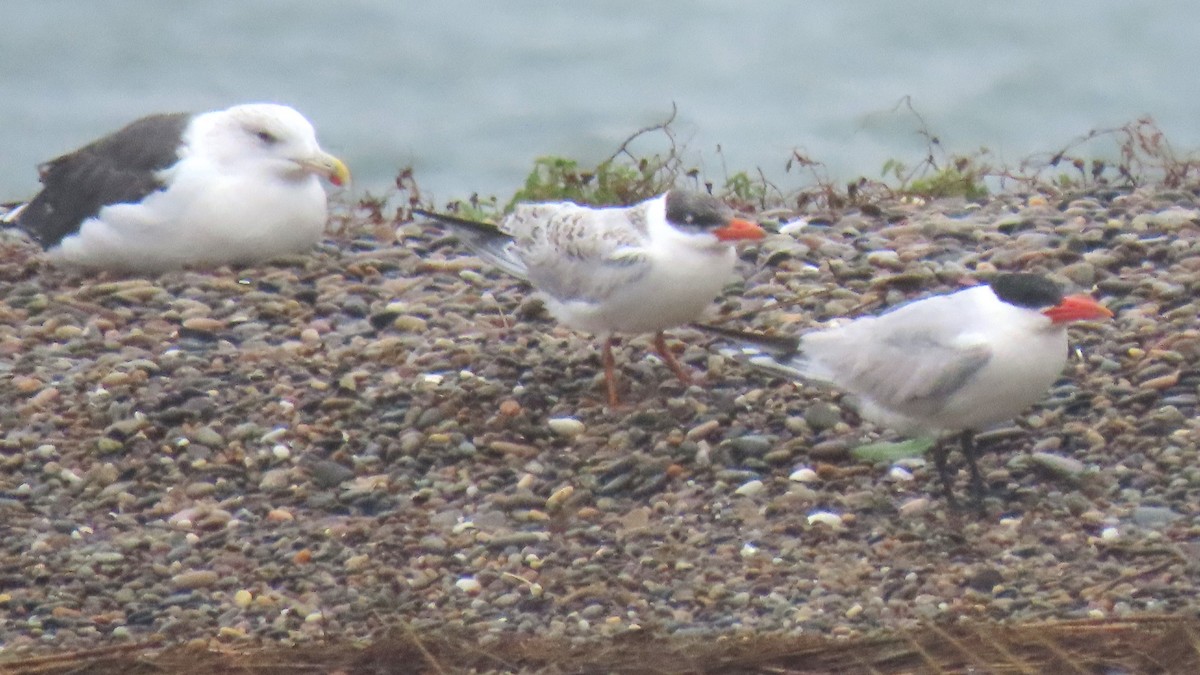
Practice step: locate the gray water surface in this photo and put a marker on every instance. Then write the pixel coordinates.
(470, 92)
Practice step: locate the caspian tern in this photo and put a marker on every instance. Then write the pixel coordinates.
(960, 362)
(638, 269)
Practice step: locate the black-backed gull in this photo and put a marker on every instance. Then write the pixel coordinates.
(172, 190)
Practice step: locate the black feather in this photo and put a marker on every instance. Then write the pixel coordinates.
(117, 169)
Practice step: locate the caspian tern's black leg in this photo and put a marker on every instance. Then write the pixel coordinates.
(940, 452)
(967, 438)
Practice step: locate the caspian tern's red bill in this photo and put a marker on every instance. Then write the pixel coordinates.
(739, 229)
(1077, 308)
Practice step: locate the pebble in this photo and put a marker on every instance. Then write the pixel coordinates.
(567, 427)
(279, 516)
(275, 479)
(1063, 466)
(752, 444)
(702, 430)
(750, 488)
(831, 520)
(804, 474)
(329, 474)
(192, 580)
(914, 506)
(821, 416)
(556, 500)
(469, 585)
(1154, 516)
(295, 452)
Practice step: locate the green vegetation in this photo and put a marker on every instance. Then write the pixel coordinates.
(1139, 154)
(611, 182)
(885, 451)
(962, 178)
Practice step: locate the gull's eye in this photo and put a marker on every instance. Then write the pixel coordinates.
(266, 137)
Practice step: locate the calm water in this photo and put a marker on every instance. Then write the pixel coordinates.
(469, 93)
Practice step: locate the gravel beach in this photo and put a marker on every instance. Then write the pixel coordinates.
(384, 434)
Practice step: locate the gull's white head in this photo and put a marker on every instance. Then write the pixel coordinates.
(275, 138)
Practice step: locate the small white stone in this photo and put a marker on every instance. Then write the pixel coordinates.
(804, 475)
(749, 550)
(567, 427)
(1109, 534)
(314, 617)
(828, 518)
(899, 474)
(749, 488)
(794, 226)
(469, 585)
(914, 506)
(281, 451)
(273, 435)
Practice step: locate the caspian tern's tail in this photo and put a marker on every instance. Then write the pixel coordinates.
(776, 354)
(488, 242)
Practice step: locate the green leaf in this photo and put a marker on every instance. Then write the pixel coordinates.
(885, 451)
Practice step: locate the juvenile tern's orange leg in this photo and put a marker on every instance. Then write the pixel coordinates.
(610, 374)
(660, 346)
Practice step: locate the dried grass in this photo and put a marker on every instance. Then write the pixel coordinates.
(1149, 644)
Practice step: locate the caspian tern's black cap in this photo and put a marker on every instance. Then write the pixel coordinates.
(1033, 291)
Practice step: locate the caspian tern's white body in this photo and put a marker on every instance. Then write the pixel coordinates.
(637, 269)
(967, 360)
(958, 362)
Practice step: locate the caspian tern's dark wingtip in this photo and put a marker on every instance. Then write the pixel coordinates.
(452, 220)
(781, 346)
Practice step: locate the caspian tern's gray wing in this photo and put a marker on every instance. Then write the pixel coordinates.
(910, 360)
(578, 254)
